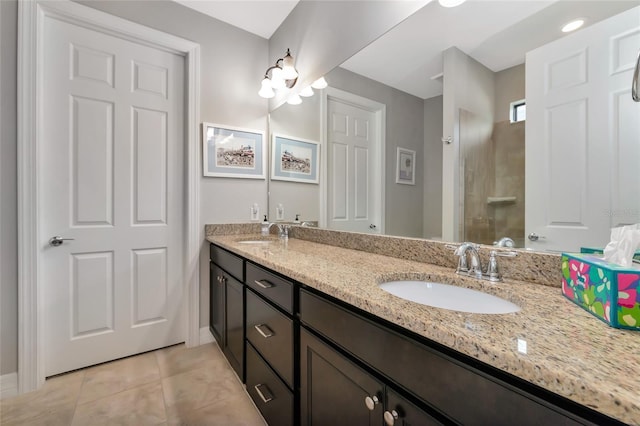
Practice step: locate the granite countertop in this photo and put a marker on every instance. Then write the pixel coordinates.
(550, 342)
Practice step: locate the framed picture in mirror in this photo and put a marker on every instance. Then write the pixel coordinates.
(233, 152)
(406, 166)
(294, 159)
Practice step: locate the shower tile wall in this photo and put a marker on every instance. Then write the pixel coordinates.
(493, 166)
(508, 142)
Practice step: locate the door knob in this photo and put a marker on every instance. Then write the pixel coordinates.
(372, 226)
(58, 240)
(535, 237)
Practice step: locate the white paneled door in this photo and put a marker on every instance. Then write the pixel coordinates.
(111, 186)
(353, 185)
(583, 136)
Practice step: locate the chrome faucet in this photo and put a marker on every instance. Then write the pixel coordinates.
(504, 242)
(468, 260)
(283, 230)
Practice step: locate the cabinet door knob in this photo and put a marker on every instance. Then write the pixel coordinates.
(371, 402)
(390, 417)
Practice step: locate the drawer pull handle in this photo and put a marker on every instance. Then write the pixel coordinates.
(371, 402)
(262, 396)
(390, 417)
(259, 328)
(263, 283)
(221, 279)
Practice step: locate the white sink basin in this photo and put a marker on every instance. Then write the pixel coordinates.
(449, 297)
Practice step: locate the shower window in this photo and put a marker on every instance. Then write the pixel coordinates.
(518, 111)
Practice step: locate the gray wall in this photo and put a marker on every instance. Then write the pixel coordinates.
(468, 85)
(8, 189)
(298, 121)
(405, 128)
(232, 62)
(432, 227)
(509, 87)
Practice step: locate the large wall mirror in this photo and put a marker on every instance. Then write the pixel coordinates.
(473, 123)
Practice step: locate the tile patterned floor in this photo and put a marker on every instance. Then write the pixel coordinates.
(171, 386)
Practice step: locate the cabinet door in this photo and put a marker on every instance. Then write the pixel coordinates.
(216, 303)
(234, 324)
(401, 412)
(333, 390)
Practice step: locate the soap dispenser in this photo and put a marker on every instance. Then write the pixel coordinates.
(297, 219)
(264, 228)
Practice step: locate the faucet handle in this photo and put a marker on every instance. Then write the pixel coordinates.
(493, 271)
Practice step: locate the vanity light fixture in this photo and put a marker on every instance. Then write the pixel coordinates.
(294, 100)
(320, 83)
(573, 25)
(282, 75)
(450, 3)
(306, 92)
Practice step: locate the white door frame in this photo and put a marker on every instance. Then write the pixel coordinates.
(31, 16)
(380, 111)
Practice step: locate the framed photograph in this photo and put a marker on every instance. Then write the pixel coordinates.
(406, 166)
(233, 152)
(295, 159)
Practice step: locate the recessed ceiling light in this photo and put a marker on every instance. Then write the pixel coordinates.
(450, 3)
(572, 26)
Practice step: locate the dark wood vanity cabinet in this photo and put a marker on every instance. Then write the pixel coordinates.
(226, 309)
(313, 360)
(335, 391)
(271, 377)
(448, 386)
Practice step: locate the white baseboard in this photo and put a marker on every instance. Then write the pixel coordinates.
(8, 385)
(206, 336)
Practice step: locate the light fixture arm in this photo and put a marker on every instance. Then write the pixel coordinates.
(289, 83)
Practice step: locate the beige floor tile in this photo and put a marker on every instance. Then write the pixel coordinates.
(58, 395)
(53, 418)
(178, 359)
(117, 376)
(200, 387)
(236, 410)
(143, 405)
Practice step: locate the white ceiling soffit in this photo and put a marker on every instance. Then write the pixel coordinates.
(497, 33)
(260, 17)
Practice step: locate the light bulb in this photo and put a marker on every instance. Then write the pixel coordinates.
(306, 92)
(266, 91)
(294, 100)
(450, 3)
(572, 26)
(320, 83)
(288, 70)
(277, 81)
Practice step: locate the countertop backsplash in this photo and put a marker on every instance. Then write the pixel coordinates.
(529, 266)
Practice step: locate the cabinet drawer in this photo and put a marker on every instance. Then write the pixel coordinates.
(271, 333)
(271, 396)
(436, 378)
(227, 261)
(276, 289)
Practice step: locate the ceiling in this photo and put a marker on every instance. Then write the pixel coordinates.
(497, 33)
(260, 17)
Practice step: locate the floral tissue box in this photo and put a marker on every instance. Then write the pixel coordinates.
(609, 291)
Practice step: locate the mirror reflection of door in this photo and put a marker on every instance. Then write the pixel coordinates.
(354, 170)
(583, 132)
